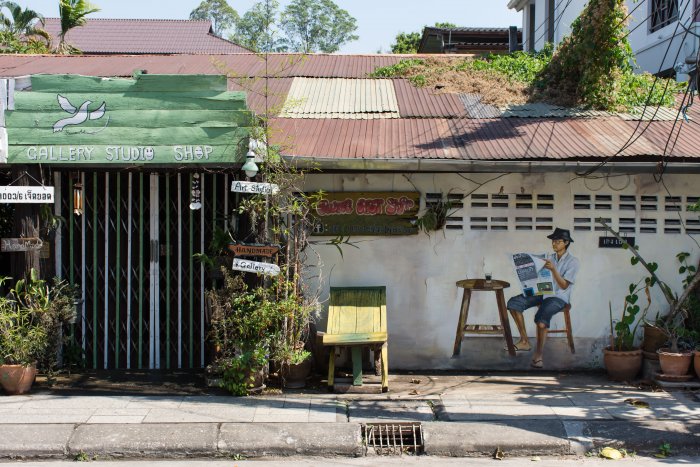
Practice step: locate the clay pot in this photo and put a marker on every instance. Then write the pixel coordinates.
(654, 339)
(17, 379)
(622, 365)
(295, 375)
(696, 363)
(674, 364)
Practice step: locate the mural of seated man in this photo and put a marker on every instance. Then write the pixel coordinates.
(563, 267)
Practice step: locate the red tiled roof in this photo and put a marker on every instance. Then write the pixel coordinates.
(431, 126)
(144, 36)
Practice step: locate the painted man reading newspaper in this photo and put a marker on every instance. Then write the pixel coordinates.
(563, 267)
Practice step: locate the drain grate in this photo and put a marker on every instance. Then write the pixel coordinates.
(393, 438)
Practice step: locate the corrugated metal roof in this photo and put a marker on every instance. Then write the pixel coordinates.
(542, 110)
(263, 96)
(485, 139)
(476, 109)
(341, 98)
(424, 103)
(144, 36)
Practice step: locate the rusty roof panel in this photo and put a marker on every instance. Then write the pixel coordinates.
(477, 109)
(264, 96)
(341, 98)
(417, 102)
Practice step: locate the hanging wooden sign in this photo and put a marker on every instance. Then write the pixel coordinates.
(10, 245)
(254, 188)
(244, 249)
(256, 267)
(26, 194)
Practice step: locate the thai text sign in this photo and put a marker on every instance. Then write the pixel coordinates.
(254, 188)
(364, 213)
(243, 249)
(151, 119)
(26, 194)
(9, 245)
(254, 266)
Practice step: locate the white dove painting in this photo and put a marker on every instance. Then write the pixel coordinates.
(78, 115)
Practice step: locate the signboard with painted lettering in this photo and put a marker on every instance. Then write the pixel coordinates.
(254, 188)
(26, 194)
(11, 245)
(613, 242)
(245, 265)
(150, 119)
(366, 213)
(245, 249)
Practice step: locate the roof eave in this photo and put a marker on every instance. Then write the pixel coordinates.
(517, 5)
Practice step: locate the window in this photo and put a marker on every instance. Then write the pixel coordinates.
(663, 13)
(550, 20)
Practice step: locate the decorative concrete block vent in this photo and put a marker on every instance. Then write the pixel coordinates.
(495, 211)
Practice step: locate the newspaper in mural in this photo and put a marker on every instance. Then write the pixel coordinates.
(534, 278)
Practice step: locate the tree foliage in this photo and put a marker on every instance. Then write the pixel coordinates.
(72, 14)
(316, 26)
(222, 16)
(257, 29)
(408, 42)
(21, 30)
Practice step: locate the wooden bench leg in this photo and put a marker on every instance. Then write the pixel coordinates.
(461, 322)
(569, 334)
(356, 365)
(385, 367)
(331, 367)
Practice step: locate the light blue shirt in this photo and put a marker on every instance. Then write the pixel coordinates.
(567, 266)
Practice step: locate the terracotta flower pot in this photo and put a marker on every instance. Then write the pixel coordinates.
(17, 379)
(295, 375)
(654, 339)
(622, 365)
(696, 363)
(674, 363)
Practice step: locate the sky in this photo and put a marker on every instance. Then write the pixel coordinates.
(378, 20)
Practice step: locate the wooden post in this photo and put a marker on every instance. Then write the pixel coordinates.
(26, 223)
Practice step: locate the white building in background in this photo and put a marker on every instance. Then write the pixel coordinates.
(655, 27)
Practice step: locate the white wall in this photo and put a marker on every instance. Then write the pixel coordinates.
(420, 271)
(649, 47)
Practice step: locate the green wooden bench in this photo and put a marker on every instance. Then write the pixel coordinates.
(357, 318)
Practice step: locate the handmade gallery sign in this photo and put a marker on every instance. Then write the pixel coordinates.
(26, 194)
(150, 119)
(363, 213)
(254, 188)
(256, 267)
(244, 249)
(11, 245)
(613, 242)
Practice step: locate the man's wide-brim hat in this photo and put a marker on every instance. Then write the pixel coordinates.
(561, 234)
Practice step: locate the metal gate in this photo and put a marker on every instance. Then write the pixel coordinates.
(131, 251)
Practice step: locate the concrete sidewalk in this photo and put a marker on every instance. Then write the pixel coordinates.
(460, 415)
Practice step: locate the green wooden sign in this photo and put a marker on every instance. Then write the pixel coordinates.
(366, 213)
(151, 119)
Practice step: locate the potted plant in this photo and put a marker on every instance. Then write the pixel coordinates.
(31, 316)
(622, 359)
(243, 322)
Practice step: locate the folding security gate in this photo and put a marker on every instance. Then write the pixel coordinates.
(131, 251)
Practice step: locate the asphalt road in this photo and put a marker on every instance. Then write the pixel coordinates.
(422, 461)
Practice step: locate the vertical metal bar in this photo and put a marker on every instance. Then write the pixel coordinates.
(71, 231)
(201, 275)
(117, 271)
(179, 270)
(106, 272)
(226, 190)
(58, 239)
(191, 290)
(155, 243)
(94, 270)
(167, 271)
(129, 272)
(83, 267)
(141, 232)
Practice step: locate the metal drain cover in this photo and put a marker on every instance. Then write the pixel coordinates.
(393, 438)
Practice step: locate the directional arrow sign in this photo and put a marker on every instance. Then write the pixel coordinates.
(254, 188)
(254, 266)
(244, 249)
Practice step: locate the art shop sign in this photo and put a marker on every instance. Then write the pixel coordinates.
(11, 245)
(151, 119)
(366, 213)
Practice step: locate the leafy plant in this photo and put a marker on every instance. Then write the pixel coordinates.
(624, 331)
(238, 373)
(435, 216)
